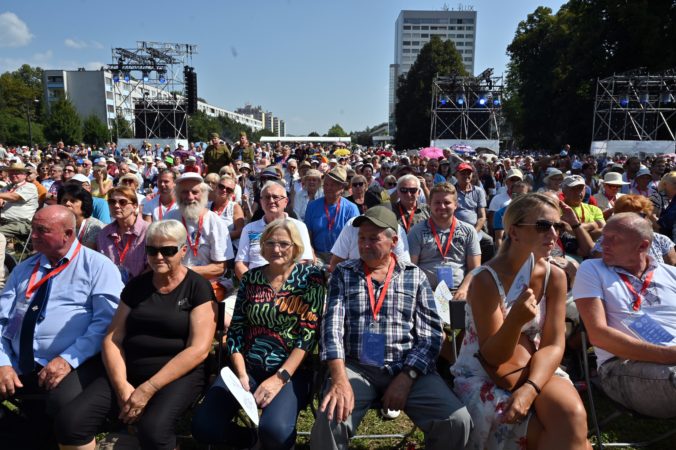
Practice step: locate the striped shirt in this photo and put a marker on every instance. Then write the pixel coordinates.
(408, 318)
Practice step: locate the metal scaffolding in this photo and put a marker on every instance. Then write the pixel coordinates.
(467, 107)
(149, 85)
(635, 106)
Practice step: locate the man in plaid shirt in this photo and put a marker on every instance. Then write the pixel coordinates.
(381, 336)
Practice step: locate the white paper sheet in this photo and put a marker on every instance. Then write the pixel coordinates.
(443, 295)
(521, 281)
(246, 399)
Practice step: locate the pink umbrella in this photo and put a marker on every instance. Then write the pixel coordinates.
(431, 152)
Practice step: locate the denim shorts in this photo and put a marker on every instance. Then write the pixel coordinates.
(647, 388)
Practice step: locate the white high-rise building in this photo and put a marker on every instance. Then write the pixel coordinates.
(414, 29)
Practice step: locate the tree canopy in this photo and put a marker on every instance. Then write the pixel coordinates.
(414, 91)
(63, 123)
(556, 59)
(336, 131)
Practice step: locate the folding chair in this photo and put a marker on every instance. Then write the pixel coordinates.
(457, 312)
(619, 409)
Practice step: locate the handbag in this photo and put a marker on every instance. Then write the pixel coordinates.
(513, 373)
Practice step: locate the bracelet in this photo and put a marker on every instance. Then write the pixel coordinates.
(157, 389)
(535, 386)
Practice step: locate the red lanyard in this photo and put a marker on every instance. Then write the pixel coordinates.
(17, 186)
(33, 286)
(611, 200)
(638, 296)
(159, 203)
(331, 220)
(375, 307)
(220, 211)
(409, 222)
(196, 245)
(438, 240)
(123, 253)
(581, 216)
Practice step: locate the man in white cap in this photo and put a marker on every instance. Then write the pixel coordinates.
(590, 216)
(503, 198)
(209, 245)
(18, 202)
(609, 193)
(150, 172)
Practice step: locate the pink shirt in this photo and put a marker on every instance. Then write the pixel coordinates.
(111, 244)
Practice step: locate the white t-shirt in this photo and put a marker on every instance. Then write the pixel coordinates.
(152, 208)
(499, 201)
(24, 210)
(214, 244)
(346, 246)
(249, 250)
(595, 279)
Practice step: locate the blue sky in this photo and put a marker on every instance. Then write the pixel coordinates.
(313, 63)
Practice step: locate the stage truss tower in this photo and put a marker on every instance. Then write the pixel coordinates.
(466, 107)
(635, 106)
(149, 85)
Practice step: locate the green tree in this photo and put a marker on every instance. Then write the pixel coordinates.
(95, 132)
(63, 123)
(313, 134)
(336, 131)
(414, 91)
(121, 128)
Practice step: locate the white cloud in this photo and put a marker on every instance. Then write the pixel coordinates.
(72, 43)
(79, 44)
(13, 31)
(40, 59)
(94, 65)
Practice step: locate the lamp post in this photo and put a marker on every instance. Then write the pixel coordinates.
(30, 125)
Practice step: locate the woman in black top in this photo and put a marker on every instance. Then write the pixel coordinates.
(153, 352)
(360, 196)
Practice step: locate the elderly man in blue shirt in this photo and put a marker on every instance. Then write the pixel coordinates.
(381, 336)
(54, 312)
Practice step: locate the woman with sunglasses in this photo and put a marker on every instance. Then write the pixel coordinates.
(226, 207)
(123, 239)
(360, 196)
(154, 350)
(273, 329)
(526, 336)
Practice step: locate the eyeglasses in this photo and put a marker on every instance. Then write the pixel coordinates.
(122, 202)
(359, 184)
(128, 182)
(169, 250)
(283, 245)
(223, 187)
(273, 198)
(543, 226)
(390, 185)
(69, 170)
(404, 190)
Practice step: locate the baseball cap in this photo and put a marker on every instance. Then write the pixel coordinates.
(514, 173)
(379, 216)
(269, 172)
(572, 181)
(552, 172)
(80, 178)
(464, 166)
(190, 176)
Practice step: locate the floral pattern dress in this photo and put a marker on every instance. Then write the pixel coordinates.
(474, 387)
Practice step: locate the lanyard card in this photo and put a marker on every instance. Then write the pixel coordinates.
(647, 329)
(445, 273)
(372, 349)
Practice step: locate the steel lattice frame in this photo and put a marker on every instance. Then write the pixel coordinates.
(166, 107)
(466, 119)
(635, 106)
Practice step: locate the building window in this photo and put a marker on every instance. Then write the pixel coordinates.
(459, 44)
(425, 36)
(415, 43)
(467, 59)
(469, 28)
(417, 27)
(407, 35)
(407, 27)
(451, 28)
(469, 20)
(425, 27)
(54, 79)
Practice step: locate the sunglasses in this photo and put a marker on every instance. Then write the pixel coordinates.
(408, 190)
(390, 185)
(122, 202)
(543, 226)
(360, 184)
(169, 250)
(223, 187)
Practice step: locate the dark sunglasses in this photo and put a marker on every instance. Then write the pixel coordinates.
(122, 201)
(390, 185)
(223, 187)
(543, 226)
(359, 184)
(408, 190)
(169, 250)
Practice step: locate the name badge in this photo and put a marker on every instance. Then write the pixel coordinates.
(124, 274)
(15, 321)
(372, 349)
(445, 273)
(646, 328)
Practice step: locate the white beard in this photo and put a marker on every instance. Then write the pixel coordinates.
(191, 212)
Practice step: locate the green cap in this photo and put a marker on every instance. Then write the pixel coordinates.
(380, 216)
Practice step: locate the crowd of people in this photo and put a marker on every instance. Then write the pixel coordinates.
(321, 251)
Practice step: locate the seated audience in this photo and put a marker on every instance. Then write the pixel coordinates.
(74, 197)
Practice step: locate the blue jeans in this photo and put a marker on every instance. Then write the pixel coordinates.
(213, 422)
(647, 388)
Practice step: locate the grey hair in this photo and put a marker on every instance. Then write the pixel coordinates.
(168, 229)
(390, 233)
(632, 222)
(269, 184)
(408, 177)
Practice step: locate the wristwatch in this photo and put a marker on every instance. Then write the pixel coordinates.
(410, 372)
(283, 375)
